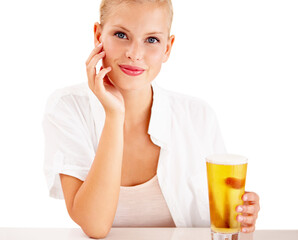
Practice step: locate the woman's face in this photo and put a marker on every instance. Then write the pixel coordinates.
(135, 35)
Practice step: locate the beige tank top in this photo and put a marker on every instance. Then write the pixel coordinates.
(142, 205)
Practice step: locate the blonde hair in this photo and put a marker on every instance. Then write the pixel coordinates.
(107, 5)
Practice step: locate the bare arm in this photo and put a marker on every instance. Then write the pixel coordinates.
(94, 205)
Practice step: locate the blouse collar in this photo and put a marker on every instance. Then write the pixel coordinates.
(160, 120)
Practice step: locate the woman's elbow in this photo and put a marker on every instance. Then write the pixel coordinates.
(97, 233)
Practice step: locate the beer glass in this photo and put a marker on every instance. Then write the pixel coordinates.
(226, 175)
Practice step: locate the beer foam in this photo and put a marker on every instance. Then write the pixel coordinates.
(226, 159)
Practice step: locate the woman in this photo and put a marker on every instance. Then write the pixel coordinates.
(124, 151)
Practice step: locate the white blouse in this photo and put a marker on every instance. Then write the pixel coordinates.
(184, 127)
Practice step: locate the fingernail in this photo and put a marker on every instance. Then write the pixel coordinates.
(240, 218)
(245, 198)
(244, 230)
(239, 209)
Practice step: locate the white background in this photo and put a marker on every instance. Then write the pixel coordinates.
(240, 57)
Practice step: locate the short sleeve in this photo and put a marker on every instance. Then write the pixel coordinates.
(68, 147)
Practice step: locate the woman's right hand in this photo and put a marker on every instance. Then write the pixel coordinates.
(109, 96)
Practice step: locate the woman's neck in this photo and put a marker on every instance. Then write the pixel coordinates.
(138, 105)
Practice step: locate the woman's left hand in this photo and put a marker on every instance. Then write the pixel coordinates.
(249, 210)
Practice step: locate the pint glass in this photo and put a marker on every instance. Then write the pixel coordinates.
(226, 175)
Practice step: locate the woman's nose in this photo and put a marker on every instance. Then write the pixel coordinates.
(134, 51)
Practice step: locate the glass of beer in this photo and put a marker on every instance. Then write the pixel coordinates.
(226, 175)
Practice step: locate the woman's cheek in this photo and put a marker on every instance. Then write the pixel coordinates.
(107, 60)
(155, 57)
(156, 52)
(111, 52)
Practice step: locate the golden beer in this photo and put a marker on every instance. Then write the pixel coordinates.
(226, 182)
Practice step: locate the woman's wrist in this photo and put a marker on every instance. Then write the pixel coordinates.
(115, 117)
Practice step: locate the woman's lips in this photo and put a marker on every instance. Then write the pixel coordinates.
(131, 70)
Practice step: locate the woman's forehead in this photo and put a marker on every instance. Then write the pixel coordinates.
(130, 17)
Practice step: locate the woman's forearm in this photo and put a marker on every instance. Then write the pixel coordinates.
(96, 201)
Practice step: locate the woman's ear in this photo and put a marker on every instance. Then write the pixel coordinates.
(169, 48)
(97, 33)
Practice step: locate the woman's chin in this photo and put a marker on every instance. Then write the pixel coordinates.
(128, 85)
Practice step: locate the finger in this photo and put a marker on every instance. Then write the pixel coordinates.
(99, 78)
(108, 81)
(94, 51)
(248, 229)
(250, 197)
(248, 209)
(246, 219)
(91, 68)
(93, 62)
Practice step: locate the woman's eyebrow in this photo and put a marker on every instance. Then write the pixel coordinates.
(129, 31)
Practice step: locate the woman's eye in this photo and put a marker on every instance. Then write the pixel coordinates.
(119, 34)
(153, 38)
(150, 39)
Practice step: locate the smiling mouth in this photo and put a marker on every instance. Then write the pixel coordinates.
(131, 72)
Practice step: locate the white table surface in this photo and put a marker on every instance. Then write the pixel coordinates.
(137, 234)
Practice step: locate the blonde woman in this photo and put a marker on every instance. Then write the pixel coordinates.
(122, 151)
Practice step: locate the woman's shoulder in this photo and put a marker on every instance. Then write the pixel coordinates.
(189, 104)
(76, 94)
(192, 113)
